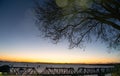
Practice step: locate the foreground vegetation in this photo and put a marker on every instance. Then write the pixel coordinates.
(116, 70)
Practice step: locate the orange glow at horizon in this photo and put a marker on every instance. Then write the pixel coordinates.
(56, 60)
(22, 41)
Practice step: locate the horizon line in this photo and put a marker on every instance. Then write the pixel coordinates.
(58, 62)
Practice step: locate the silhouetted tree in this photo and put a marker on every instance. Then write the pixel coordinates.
(80, 20)
(5, 69)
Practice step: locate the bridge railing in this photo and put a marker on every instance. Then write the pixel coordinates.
(49, 70)
(60, 71)
(90, 71)
(23, 71)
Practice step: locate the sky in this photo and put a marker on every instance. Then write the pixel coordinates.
(20, 40)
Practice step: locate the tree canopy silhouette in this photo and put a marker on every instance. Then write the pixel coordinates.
(80, 21)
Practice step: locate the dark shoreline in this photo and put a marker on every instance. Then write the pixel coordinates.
(103, 64)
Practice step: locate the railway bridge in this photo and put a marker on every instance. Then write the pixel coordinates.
(60, 71)
(80, 72)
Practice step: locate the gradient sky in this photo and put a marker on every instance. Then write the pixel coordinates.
(20, 40)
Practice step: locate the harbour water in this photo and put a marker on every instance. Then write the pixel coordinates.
(41, 66)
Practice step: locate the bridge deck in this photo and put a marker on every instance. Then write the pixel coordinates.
(59, 71)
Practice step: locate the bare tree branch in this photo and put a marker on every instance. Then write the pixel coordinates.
(100, 20)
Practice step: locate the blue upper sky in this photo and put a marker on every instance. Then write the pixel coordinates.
(20, 39)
